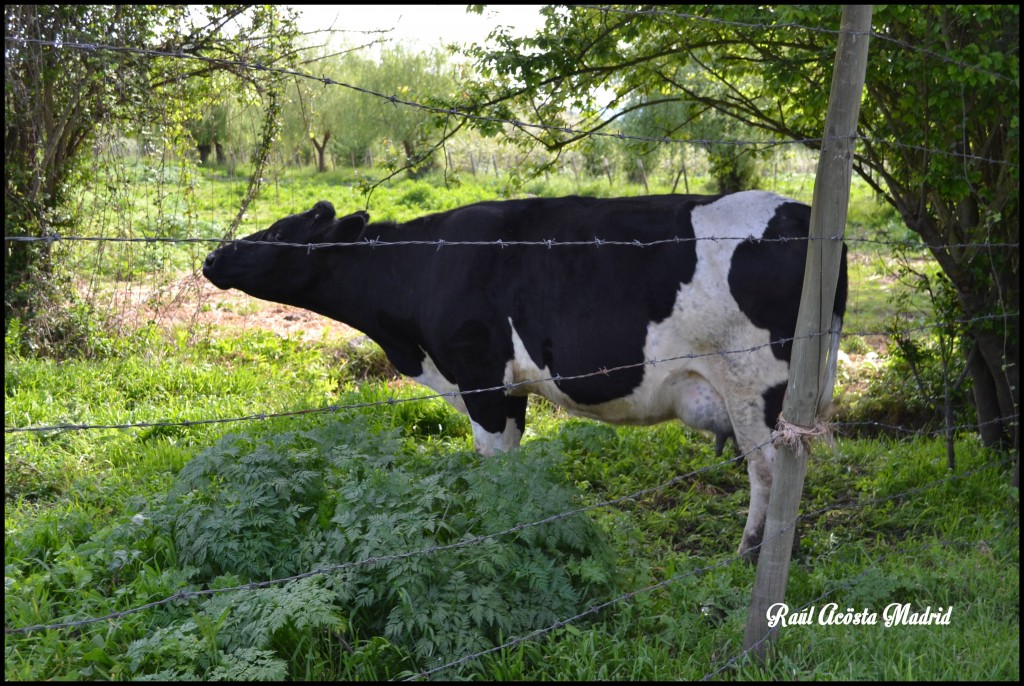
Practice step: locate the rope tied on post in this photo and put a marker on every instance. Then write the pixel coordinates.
(793, 435)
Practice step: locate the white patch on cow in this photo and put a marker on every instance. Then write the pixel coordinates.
(522, 370)
(485, 442)
(699, 405)
(512, 436)
(433, 378)
(708, 316)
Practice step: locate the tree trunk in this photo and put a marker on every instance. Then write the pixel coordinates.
(1001, 398)
(985, 402)
(682, 173)
(643, 174)
(986, 285)
(321, 151)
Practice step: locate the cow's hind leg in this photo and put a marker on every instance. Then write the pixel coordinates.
(760, 467)
(753, 438)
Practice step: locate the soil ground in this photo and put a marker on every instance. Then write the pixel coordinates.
(193, 301)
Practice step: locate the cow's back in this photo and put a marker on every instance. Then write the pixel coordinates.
(626, 304)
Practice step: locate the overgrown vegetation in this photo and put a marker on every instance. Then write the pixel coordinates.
(104, 521)
(63, 102)
(335, 496)
(610, 550)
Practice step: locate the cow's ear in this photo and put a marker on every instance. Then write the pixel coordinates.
(321, 210)
(350, 228)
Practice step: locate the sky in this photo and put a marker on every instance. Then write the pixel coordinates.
(420, 27)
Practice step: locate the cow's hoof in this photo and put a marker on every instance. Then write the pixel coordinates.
(750, 547)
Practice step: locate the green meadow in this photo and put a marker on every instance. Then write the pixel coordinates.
(591, 553)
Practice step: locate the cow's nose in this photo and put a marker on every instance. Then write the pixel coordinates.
(210, 259)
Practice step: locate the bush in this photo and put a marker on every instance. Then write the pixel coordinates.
(46, 318)
(336, 496)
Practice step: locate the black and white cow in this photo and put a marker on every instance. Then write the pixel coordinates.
(710, 317)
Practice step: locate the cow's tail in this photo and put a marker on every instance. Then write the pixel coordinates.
(831, 367)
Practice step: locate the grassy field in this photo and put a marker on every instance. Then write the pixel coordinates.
(420, 555)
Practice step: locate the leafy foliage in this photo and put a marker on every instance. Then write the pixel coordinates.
(255, 510)
(935, 358)
(63, 103)
(189, 652)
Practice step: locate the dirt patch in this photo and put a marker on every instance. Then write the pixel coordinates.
(194, 302)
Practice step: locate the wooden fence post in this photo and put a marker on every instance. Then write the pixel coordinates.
(811, 346)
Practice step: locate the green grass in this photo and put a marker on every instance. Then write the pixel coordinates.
(67, 554)
(89, 515)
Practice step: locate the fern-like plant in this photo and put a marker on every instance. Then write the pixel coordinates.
(412, 533)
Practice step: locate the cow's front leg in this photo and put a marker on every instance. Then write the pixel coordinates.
(515, 422)
(498, 421)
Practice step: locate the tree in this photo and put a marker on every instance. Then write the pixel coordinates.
(210, 130)
(426, 78)
(348, 123)
(939, 123)
(310, 114)
(732, 166)
(327, 117)
(71, 69)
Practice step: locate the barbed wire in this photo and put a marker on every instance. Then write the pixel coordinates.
(184, 594)
(896, 429)
(505, 387)
(537, 243)
(462, 114)
(593, 609)
(448, 395)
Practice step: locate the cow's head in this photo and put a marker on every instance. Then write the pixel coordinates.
(275, 262)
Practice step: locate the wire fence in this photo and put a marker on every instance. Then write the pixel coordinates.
(541, 243)
(187, 594)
